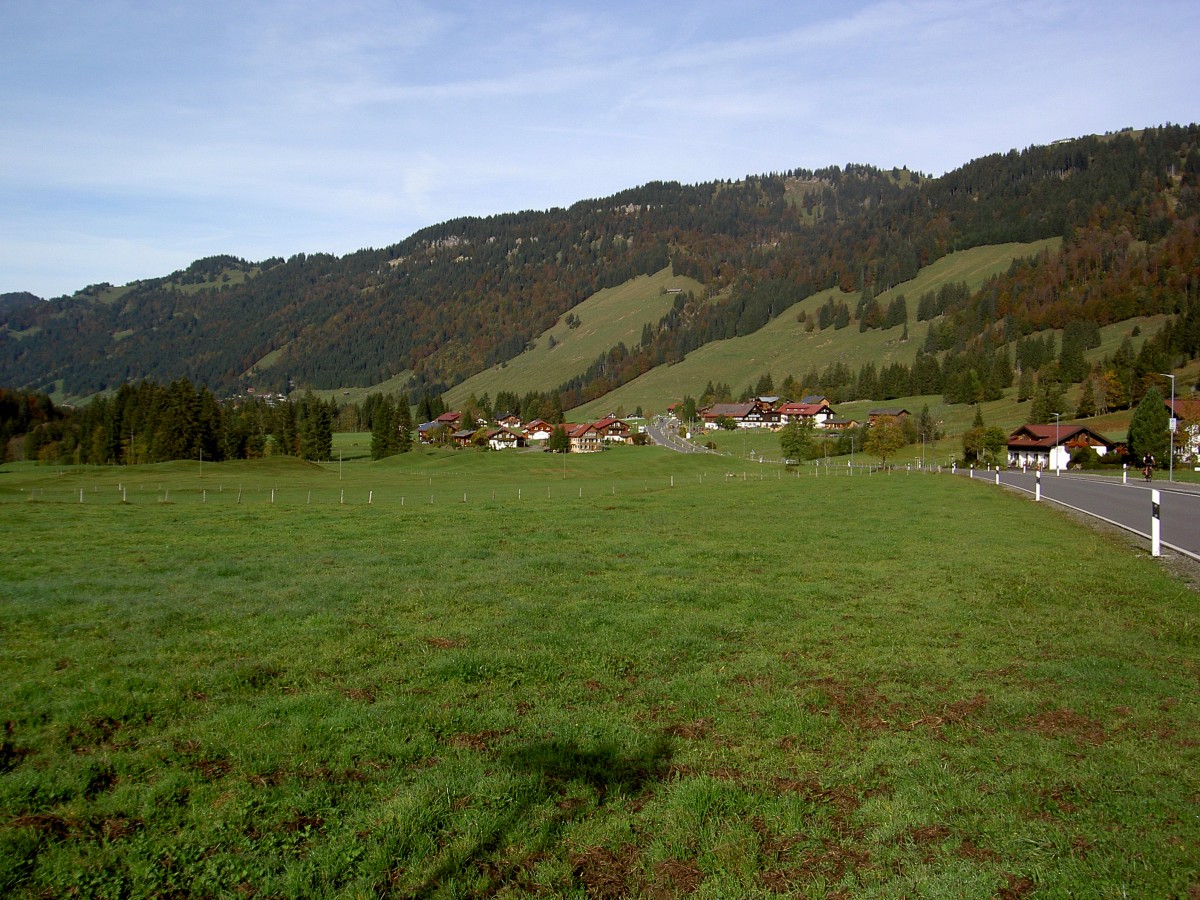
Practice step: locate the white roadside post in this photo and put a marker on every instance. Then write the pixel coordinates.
(1037, 489)
(1155, 524)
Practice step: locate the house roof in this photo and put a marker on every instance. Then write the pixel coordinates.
(732, 410)
(804, 409)
(1039, 437)
(448, 418)
(889, 412)
(1185, 408)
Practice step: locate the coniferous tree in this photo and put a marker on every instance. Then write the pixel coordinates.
(1148, 428)
(383, 428)
(1087, 402)
(404, 426)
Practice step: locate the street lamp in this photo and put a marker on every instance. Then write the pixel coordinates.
(1057, 438)
(1171, 430)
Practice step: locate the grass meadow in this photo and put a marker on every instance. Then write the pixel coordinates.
(636, 674)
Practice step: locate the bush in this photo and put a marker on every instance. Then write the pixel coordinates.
(1085, 458)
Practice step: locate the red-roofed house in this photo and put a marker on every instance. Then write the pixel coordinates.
(584, 438)
(817, 414)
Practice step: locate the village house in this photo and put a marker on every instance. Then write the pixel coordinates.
(840, 424)
(509, 420)
(614, 431)
(816, 414)
(585, 438)
(505, 439)
(463, 437)
(538, 431)
(751, 414)
(1187, 429)
(1051, 446)
(876, 414)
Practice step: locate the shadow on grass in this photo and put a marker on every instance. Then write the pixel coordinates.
(564, 774)
(559, 765)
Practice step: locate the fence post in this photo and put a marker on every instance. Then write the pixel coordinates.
(1155, 524)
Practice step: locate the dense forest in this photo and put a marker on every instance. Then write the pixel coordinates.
(463, 295)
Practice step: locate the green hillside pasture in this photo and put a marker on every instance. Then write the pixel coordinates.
(790, 686)
(783, 347)
(397, 385)
(608, 317)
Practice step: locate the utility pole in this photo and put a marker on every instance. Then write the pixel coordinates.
(1171, 425)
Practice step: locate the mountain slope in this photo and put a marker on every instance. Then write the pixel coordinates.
(783, 347)
(456, 299)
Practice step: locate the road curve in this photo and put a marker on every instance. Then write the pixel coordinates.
(665, 434)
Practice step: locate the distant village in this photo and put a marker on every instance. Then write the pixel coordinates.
(1036, 446)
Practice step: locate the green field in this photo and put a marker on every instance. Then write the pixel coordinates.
(634, 674)
(608, 317)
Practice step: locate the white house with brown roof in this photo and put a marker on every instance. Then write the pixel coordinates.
(614, 431)
(817, 414)
(1186, 412)
(751, 414)
(504, 439)
(1051, 446)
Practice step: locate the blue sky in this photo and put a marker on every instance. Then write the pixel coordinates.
(139, 136)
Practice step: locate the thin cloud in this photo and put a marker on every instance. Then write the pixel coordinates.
(278, 127)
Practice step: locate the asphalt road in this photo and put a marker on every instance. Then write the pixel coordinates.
(666, 435)
(1128, 505)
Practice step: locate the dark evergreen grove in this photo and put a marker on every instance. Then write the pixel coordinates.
(149, 423)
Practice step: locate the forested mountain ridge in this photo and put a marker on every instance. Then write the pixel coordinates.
(462, 295)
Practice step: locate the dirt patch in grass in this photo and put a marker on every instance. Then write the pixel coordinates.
(968, 849)
(93, 733)
(927, 840)
(958, 713)
(46, 823)
(364, 695)
(445, 643)
(857, 704)
(479, 741)
(300, 823)
(842, 798)
(828, 859)
(691, 731)
(674, 878)
(606, 873)
(211, 768)
(1016, 886)
(108, 828)
(1067, 723)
